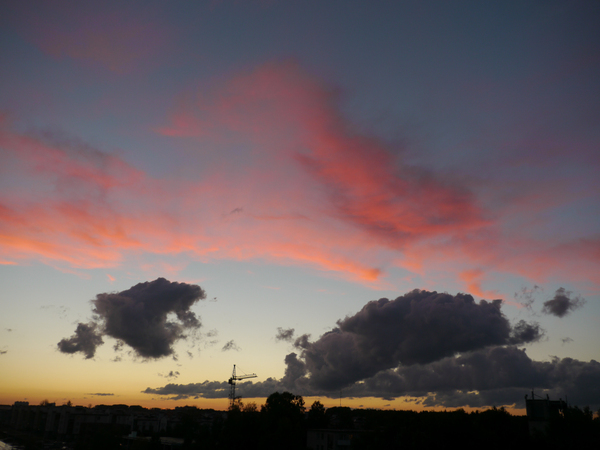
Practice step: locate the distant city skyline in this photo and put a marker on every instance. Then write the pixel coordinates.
(395, 203)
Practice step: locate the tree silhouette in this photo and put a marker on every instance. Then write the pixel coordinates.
(283, 419)
(317, 416)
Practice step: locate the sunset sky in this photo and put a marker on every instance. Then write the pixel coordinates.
(185, 186)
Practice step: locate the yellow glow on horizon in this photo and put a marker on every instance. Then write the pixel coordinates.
(221, 404)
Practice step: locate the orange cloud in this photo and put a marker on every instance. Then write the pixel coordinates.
(473, 278)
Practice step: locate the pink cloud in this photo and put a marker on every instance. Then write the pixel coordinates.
(277, 175)
(290, 116)
(8, 263)
(86, 209)
(473, 279)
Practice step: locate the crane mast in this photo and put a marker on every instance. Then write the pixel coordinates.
(232, 380)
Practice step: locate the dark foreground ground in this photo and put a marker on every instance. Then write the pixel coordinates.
(284, 423)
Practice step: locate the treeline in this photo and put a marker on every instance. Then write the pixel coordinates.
(284, 422)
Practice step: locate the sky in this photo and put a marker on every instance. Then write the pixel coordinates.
(375, 204)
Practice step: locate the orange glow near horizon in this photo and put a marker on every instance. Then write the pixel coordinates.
(222, 404)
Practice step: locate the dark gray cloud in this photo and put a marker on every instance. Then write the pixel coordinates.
(139, 317)
(3, 352)
(446, 349)
(285, 334)
(566, 340)
(208, 389)
(86, 338)
(230, 345)
(525, 332)
(484, 377)
(217, 389)
(101, 394)
(416, 328)
(295, 370)
(558, 378)
(479, 370)
(562, 303)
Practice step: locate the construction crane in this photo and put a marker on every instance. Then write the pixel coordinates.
(232, 380)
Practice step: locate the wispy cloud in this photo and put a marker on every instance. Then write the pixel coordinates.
(170, 375)
(230, 345)
(285, 334)
(305, 188)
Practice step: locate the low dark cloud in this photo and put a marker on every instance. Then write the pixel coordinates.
(498, 376)
(479, 370)
(445, 350)
(3, 352)
(285, 334)
(485, 377)
(101, 394)
(140, 317)
(562, 303)
(217, 389)
(85, 340)
(416, 328)
(566, 340)
(504, 376)
(231, 345)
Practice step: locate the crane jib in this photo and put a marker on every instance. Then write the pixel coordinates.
(232, 380)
